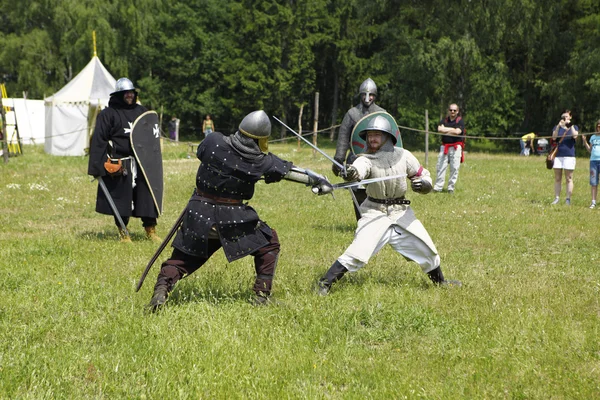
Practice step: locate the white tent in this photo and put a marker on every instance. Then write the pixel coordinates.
(29, 116)
(71, 111)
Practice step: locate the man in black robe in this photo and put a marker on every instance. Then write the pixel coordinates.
(111, 141)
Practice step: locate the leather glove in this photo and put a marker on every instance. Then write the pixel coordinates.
(351, 174)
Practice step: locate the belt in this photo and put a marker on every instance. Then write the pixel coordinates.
(399, 200)
(211, 198)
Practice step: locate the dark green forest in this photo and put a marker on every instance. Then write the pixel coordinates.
(511, 65)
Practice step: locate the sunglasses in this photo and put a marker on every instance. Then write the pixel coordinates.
(451, 110)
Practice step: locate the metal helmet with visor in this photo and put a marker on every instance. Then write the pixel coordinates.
(257, 125)
(367, 88)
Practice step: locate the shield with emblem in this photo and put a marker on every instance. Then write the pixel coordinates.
(359, 146)
(145, 141)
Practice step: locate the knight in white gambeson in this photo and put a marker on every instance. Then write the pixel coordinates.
(386, 215)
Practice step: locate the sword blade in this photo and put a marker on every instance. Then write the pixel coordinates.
(311, 145)
(112, 205)
(346, 185)
(160, 249)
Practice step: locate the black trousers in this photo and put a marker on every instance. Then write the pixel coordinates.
(146, 221)
(181, 264)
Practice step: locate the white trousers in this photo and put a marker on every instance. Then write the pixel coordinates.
(452, 159)
(405, 243)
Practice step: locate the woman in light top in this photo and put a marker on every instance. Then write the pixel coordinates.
(208, 126)
(594, 148)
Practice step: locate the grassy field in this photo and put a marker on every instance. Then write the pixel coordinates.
(524, 325)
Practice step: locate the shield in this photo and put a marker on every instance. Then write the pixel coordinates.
(145, 142)
(359, 146)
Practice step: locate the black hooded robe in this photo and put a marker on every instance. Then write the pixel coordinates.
(114, 123)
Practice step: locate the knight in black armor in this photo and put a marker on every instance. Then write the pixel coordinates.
(216, 215)
(368, 93)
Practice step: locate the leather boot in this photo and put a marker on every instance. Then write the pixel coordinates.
(123, 237)
(159, 298)
(168, 276)
(437, 277)
(261, 300)
(335, 273)
(151, 234)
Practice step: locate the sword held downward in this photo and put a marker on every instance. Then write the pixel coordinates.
(160, 249)
(112, 205)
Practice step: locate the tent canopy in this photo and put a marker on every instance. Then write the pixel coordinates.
(69, 112)
(93, 84)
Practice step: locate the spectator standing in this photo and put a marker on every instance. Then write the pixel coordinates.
(594, 148)
(451, 152)
(566, 132)
(208, 126)
(173, 128)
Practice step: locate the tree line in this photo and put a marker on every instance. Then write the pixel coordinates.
(511, 65)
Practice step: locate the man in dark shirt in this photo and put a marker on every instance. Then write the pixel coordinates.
(451, 152)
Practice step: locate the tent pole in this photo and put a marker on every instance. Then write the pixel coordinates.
(3, 125)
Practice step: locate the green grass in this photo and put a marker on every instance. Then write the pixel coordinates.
(525, 324)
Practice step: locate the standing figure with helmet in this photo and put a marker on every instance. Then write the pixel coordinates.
(387, 217)
(216, 215)
(452, 149)
(367, 93)
(113, 161)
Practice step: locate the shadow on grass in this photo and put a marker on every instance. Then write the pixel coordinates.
(365, 278)
(212, 293)
(351, 227)
(111, 236)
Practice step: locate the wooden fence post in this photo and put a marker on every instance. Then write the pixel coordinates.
(3, 127)
(316, 122)
(4, 136)
(160, 116)
(300, 123)
(426, 137)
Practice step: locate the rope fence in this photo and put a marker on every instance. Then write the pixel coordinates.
(306, 133)
(327, 130)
